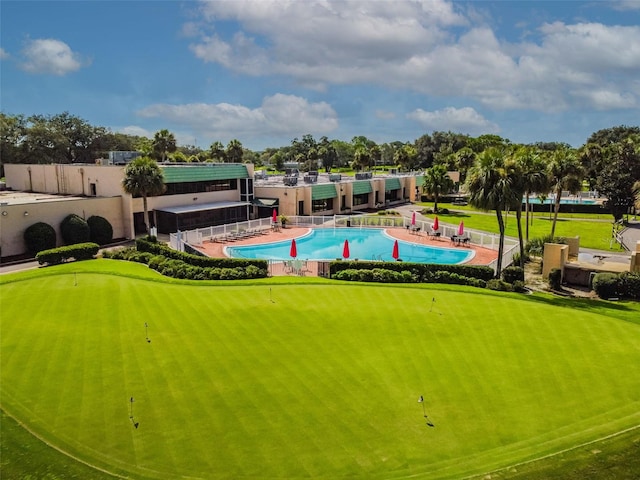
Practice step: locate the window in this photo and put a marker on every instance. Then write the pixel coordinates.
(322, 205)
(361, 199)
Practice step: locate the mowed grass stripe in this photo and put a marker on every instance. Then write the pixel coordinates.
(350, 378)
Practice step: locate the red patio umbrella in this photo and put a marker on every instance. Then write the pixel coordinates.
(413, 218)
(461, 228)
(293, 252)
(396, 252)
(274, 216)
(345, 249)
(436, 225)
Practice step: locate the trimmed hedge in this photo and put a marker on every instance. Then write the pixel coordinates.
(74, 229)
(39, 236)
(513, 274)
(100, 230)
(422, 272)
(78, 251)
(611, 285)
(151, 245)
(380, 275)
(173, 263)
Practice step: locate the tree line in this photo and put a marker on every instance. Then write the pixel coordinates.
(496, 173)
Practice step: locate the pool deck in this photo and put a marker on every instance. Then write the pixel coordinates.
(483, 256)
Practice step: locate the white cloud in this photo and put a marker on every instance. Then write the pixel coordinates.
(3, 54)
(285, 115)
(48, 55)
(135, 130)
(385, 115)
(182, 138)
(607, 99)
(465, 120)
(430, 47)
(624, 5)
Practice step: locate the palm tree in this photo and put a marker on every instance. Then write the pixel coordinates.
(234, 151)
(534, 177)
(143, 178)
(217, 151)
(464, 159)
(437, 181)
(164, 142)
(361, 157)
(565, 173)
(489, 188)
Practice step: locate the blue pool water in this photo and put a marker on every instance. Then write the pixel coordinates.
(364, 244)
(572, 201)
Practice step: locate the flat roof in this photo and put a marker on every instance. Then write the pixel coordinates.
(14, 197)
(201, 207)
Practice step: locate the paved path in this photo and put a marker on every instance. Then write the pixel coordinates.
(631, 234)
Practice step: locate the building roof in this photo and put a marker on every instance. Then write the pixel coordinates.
(323, 191)
(179, 209)
(392, 184)
(202, 173)
(362, 187)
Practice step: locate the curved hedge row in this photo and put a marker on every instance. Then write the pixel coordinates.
(149, 244)
(79, 251)
(173, 263)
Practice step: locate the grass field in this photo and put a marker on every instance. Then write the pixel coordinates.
(297, 379)
(595, 230)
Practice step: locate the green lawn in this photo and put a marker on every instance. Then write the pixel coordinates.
(595, 231)
(321, 382)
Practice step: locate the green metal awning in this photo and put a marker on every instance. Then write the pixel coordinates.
(419, 180)
(362, 187)
(203, 173)
(392, 184)
(321, 192)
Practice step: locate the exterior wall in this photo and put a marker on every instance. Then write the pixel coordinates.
(67, 179)
(574, 246)
(21, 216)
(555, 256)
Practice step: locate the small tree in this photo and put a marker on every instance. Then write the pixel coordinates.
(74, 229)
(143, 178)
(100, 230)
(39, 236)
(436, 182)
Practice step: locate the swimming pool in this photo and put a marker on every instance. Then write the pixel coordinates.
(571, 201)
(364, 244)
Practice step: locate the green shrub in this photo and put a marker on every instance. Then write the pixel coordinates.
(100, 230)
(606, 285)
(555, 279)
(513, 274)
(151, 245)
(379, 275)
(79, 251)
(499, 285)
(74, 229)
(421, 272)
(519, 286)
(629, 284)
(516, 258)
(453, 279)
(39, 236)
(535, 246)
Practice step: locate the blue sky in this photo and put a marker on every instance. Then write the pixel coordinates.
(265, 72)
